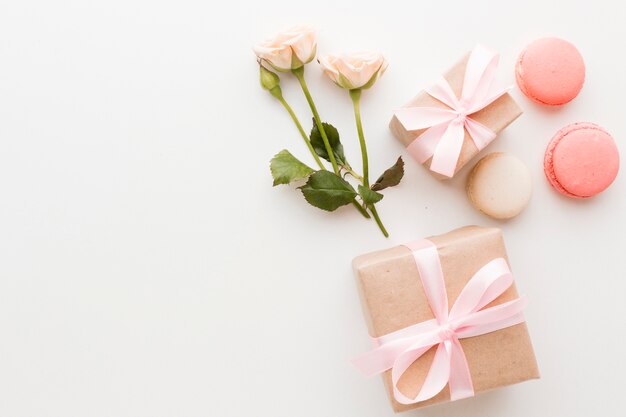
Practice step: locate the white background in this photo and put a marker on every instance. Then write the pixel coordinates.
(148, 268)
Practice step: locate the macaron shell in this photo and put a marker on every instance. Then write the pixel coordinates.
(548, 168)
(582, 160)
(500, 186)
(550, 71)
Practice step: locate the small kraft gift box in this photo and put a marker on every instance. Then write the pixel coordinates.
(448, 124)
(445, 318)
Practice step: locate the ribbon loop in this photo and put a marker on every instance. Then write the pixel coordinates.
(445, 128)
(468, 317)
(442, 91)
(477, 82)
(487, 284)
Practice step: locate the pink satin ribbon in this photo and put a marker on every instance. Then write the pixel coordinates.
(467, 318)
(444, 136)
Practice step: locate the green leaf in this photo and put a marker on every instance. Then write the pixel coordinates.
(286, 168)
(333, 139)
(391, 177)
(327, 191)
(369, 196)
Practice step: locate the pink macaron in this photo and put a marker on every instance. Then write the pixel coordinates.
(550, 71)
(581, 160)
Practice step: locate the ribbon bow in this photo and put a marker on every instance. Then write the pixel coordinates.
(467, 318)
(443, 138)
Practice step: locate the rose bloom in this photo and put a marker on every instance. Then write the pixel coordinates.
(290, 49)
(352, 71)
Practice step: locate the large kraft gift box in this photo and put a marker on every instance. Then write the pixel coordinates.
(393, 298)
(497, 116)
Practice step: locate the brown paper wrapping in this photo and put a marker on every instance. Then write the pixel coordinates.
(497, 116)
(393, 298)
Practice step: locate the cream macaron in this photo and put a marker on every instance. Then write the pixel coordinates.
(499, 186)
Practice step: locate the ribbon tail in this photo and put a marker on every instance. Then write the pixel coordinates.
(442, 91)
(460, 382)
(391, 346)
(423, 147)
(446, 155)
(382, 358)
(481, 135)
(435, 381)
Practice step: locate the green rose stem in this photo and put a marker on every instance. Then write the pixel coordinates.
(350, 171)
(356, 101)
(271, 82)
(302, 133)
(299, 74)
(317, 158)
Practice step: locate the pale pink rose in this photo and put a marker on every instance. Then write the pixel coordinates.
(352, 71)
(289, 49)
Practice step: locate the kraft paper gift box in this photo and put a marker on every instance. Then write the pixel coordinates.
(393, 298)
(496, 116)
